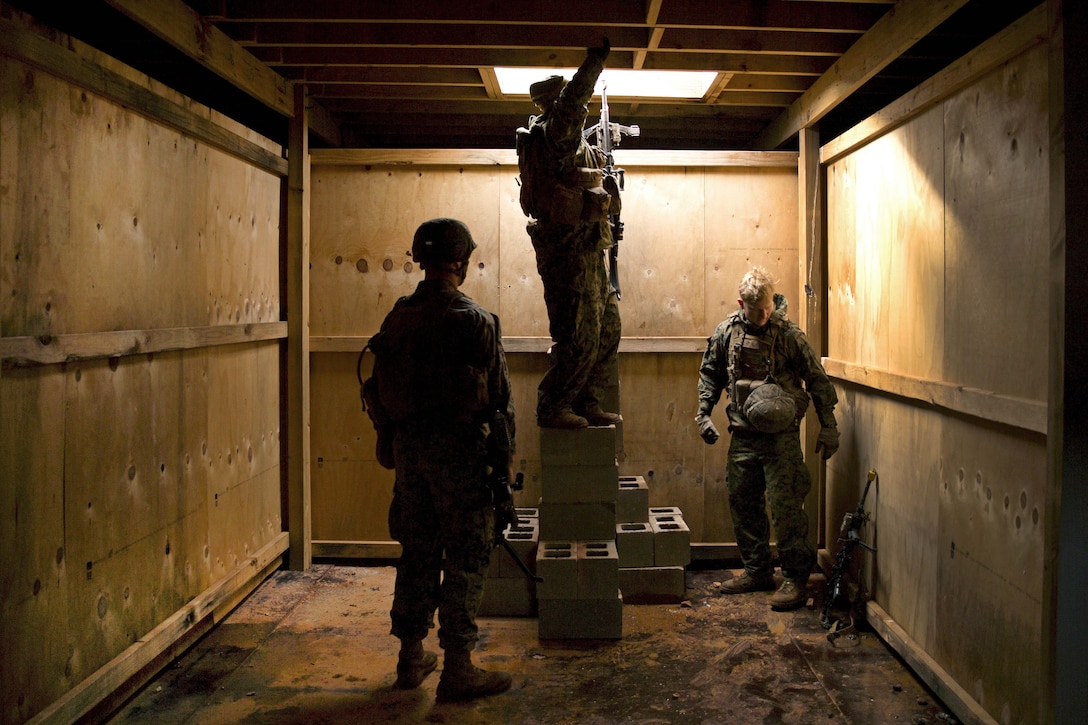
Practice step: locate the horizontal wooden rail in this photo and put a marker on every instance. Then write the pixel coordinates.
(508, 157)
(355, 343)
(965, 707)
(57, 60)
(1018, 37)
(985, 404)
(208, 608)
(53, 349)
(391, 550)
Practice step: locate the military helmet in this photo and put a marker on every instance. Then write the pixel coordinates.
(439, 241)
(770, 409)
(547, 89)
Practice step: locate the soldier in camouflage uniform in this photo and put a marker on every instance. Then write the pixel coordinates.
(443, 382)
(762, 360)
(568, 200)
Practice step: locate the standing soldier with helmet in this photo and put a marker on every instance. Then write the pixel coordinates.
(444, 390)
(762, 360)
(568, 198)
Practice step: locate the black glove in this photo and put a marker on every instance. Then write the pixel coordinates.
(706, 428)
(600, 52)
(827, 442)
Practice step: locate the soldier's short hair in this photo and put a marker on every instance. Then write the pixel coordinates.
(756, 286)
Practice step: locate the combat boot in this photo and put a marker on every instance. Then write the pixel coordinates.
(790, 595)
(414, 664)
(462, 680)
(748, 583)
(596, 415)
(562, 418)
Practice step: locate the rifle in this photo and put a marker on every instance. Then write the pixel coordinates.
(506, 514)
(608, 136)
(836, 596)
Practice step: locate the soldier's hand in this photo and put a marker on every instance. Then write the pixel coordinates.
(505, 516)
(706, 429)
(827, 442)
(600, 51)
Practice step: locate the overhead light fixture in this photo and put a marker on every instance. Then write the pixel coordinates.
(621, 82)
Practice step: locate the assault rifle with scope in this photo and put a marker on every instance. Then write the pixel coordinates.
(608, 137)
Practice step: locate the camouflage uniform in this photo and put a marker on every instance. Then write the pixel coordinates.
(766, 468)
(583, 315)
(443, 371)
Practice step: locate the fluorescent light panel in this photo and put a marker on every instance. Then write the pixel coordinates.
(620, 82)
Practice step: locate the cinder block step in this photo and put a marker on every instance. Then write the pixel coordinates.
(632, 500)
(635, 544)
(577, 521)
(581, 618)
(672, 540)
(652, 585)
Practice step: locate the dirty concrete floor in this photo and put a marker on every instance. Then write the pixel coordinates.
(314, 647)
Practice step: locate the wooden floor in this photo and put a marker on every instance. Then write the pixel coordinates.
(314, 647)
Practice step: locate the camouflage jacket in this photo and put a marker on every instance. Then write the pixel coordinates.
(794, 366)
(439, 360)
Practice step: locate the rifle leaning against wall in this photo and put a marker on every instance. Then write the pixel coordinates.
(837, 597)
(608, 137)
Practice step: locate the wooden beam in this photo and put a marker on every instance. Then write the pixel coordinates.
(296, 238)
(508, 157)
(891, 36)
(355, 343)
(184, 29)
(812, 254)
(391, 550)
(53, 349)
(1018, 37)
(965, 707)
(207, 609)
(1030, 415)
(57, 60)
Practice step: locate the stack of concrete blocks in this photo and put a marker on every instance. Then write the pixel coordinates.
(579, 597)
(654, 546)
(508, 592)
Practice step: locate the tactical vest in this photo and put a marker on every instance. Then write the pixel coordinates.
(563, 191)
(751, 359)
(421, 366)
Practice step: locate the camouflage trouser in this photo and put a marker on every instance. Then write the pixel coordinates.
(584, 322)
(769, 469)
(442, 516)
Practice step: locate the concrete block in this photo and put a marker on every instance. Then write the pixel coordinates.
(527, 512)
(557, 564)
(665, 511)
(598, 569)
(581, 618)
(577, 521)
(509, 598)
(577, 569)
(524, 540)
(635, 544)
(652, 585)
(632, 500)
(672, 541)
(580, 484)
(591, 446)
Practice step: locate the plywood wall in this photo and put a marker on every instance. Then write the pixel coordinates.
(691, 232)
(938, 259)
(130, 481)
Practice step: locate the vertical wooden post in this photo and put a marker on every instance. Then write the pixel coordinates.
(1065, 578)
(297, 221)
(811, 306)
